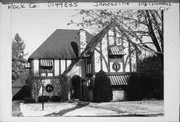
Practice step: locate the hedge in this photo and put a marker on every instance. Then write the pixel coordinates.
(148, 82)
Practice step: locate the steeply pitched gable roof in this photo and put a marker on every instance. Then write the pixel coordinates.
(62, 44)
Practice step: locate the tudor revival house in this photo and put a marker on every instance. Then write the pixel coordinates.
(112, 54)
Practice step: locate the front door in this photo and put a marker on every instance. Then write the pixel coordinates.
(76, 87)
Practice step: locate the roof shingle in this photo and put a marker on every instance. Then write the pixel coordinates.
(62, 44)
(119, 79)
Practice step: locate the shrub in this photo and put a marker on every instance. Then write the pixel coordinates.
(34, 85)
(61, 87)
(102, 91)
(140, 86)
(55, 99)
(152, 67)
(43, 98)
(28, 100)
(64, 88)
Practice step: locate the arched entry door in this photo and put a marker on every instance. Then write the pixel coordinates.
(76, 87)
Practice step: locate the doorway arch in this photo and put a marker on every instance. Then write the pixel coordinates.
(76, 91)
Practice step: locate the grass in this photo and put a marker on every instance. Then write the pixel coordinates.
(121, 108)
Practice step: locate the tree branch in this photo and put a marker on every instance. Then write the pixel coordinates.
(151, 32)
(91, 45)
(102, 57)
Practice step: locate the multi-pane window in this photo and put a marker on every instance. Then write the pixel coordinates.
(46, 68)
(49, 68)
(88, 66)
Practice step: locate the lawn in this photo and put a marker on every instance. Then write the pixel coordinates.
(71, 109)
(137, 108)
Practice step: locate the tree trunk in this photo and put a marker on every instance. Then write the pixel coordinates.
(151, 32)
(91, 45)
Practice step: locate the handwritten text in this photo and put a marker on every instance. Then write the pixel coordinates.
(62, 4)
(107, 4)
(22, 5)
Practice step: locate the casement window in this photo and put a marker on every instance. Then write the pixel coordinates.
(46, 68)
(88, 66)
(49, 67)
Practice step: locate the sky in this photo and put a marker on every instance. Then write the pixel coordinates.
(35, 26)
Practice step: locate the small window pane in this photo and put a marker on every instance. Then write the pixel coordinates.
(68, 62)
(43, 74)
(50, 74)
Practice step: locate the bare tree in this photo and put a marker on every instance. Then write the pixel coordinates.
(135, 24)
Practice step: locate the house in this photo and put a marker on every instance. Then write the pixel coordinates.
(114, 54)
(53, 57)
(83, 55)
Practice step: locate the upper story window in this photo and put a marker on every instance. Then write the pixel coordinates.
(46, 68)
(49, 68)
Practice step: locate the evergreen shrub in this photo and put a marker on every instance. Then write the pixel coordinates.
(43, 98)
(55, 99)
(102, 91)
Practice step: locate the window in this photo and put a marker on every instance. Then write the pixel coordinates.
(46, 68)
(88, 66)
(43, 74)
(68, 62)
(63, 66)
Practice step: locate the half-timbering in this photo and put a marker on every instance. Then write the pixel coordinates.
(71, 51)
